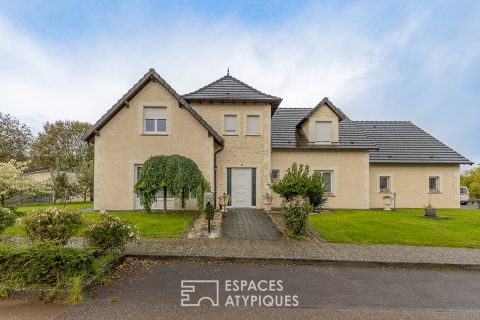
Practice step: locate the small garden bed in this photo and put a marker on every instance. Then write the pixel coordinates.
(151, 225)
(50, 272)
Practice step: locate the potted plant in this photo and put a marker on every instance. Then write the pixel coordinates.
(430, 211)
(387, 201)
(267, 200)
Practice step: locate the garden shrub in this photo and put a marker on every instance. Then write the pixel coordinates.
(209, 211)
(44, 264)
(295, 214)
(111, 233)
(7, 218)
(52, 224)
(298, 182)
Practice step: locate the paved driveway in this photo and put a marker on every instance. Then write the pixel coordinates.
(248, 224)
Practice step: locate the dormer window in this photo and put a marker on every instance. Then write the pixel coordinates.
(323, 132)
(155, 120)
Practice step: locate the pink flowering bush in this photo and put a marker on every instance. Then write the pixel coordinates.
(111, 233)
(52, 224)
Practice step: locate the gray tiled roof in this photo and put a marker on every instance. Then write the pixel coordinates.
(404, 142)
(229, 88)
(286, 135)
(151, 75)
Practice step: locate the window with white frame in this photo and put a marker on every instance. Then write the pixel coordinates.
(323, 132)
(253, 125)
(434, 184)
(155, 119)
(275, 175)
(230, 124)
(327, 179)
(384, 182)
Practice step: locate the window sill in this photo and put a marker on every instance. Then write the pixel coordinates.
(434, 192)
(230, 134)
(253, 135)
(329, 194)
(155, 134)
(385, 192)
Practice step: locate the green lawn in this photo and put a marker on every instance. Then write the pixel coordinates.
(153, 225)
(462, 229)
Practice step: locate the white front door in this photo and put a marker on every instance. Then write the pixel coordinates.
(241, 187)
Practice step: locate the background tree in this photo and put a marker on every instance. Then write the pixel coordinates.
(471, 179)
(15, 139)
(173, 175)
(84, 174)
(13, 182)
(60, 143)
(63, 184)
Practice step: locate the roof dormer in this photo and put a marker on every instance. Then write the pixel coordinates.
(321, 124)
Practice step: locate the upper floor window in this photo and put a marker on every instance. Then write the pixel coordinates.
(230, 124)
(327, 179)
(155, 119)
(323, 132)
(384, 184)
(253, 125)
(434, 184)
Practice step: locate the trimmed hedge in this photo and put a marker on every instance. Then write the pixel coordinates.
(44, 264)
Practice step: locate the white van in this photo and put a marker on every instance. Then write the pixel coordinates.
(464, 195)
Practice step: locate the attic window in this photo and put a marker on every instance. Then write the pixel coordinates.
(323, 132)
(155, 119)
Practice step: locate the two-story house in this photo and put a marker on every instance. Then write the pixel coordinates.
(242, 141)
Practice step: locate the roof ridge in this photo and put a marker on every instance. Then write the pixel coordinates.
(382, 121)
(205, 86)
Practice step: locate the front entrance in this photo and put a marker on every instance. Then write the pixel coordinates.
(242, 185)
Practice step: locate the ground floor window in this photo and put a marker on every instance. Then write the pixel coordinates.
(434, 184)
(384, 184)
(327, 179)
(275, 175)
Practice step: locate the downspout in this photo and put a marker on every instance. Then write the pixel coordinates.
(215, 176)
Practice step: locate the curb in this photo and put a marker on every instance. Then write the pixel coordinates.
(315, 262)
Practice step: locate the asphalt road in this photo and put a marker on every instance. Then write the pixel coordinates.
(152, 290)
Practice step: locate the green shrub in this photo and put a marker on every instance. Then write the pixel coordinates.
(111, 233)
(298, 182)
(7, 218)
(44, 264)
(295, 214)
(52, 224)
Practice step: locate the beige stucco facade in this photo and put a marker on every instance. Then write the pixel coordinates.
(323, 113)
(350, 174)
(410, 183)
(122, 144)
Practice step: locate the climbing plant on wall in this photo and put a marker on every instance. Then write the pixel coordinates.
(174, 176)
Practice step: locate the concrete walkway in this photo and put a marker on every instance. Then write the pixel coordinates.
(248, 224)
(306, 252)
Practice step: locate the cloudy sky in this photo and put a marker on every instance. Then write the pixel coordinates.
(377, 60)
